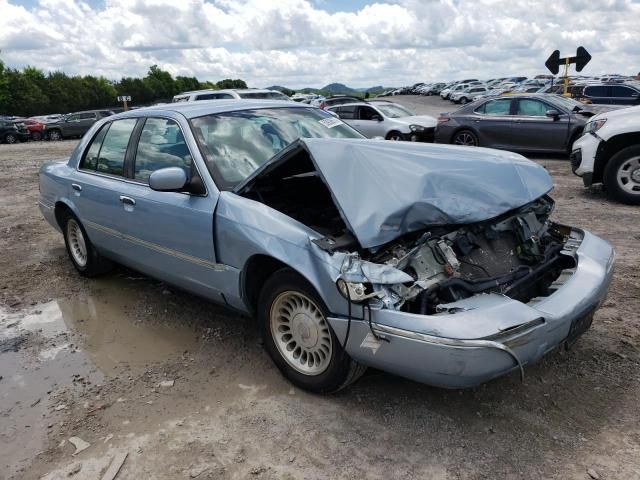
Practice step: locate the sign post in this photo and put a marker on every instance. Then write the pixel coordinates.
(124, 99)
(554, 61)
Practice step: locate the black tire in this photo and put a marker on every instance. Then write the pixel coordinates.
(464, 100)
(622, 176)
(55, 135)
(36, 136)
(10, 138)
(95, 264)
(340, 370)
(465, 138)
(394, 135)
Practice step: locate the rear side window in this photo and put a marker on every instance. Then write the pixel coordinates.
(161, 145)
(87, 116)
(346, 113)
(213, 96)
(114, 147)
(624, 92)
(90, 159)
(496, 107)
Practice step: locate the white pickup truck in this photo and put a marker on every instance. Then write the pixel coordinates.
(609, 152)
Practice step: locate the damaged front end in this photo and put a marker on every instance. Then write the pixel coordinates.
(448, 262)
(520, 255)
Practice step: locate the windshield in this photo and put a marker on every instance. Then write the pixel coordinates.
(235, 144)
(267, 95)
(394, 111)
(568, 103)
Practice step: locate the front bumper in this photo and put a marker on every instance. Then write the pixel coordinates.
(426, 135)
(490, 337)
(583, 157)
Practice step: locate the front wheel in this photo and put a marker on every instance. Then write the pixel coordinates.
(85, 258)
(622, 175)
(297, 336)
(10, 138)
(395, 136)
(464, 100)
(465, 138)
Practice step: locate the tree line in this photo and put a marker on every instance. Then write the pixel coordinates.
(30, 91)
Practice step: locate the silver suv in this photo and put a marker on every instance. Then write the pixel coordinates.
(386, 119)
(231, 93)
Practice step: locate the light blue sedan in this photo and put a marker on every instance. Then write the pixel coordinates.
(438, 263)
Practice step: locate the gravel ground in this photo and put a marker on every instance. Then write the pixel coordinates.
(185, 390)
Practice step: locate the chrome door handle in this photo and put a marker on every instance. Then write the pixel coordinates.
(127, 200)
(76, 187)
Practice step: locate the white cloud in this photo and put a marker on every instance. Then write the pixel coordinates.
(298, 43)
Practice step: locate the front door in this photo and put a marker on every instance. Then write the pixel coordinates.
(369, 122)
(170, 233)
(533, 130)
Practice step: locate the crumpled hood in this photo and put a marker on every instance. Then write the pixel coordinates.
(423, 120)
(386, 189)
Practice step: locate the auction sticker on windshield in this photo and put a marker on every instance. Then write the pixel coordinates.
(331, 122)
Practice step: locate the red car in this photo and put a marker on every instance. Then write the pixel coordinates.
(35, 128)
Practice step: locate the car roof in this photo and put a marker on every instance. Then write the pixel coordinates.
(210, 107)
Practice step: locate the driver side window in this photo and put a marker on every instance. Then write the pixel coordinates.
(531, 108)
(368, 113)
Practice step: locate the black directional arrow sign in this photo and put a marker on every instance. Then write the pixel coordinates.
(581, 59)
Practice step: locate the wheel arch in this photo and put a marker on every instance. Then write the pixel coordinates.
(257, 269)
(609, 148)
(464, 127)
(60, 208)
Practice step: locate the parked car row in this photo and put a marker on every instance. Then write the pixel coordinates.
(50, 127)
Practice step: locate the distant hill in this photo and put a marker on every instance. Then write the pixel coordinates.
(333, 89)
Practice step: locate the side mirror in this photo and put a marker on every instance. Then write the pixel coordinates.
(552, 113)
(170, 179)
(377, 118)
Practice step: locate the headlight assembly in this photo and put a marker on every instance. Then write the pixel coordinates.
(416, 128)
(594, 125)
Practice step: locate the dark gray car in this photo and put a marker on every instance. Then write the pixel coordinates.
(74, 125)
(527, 122)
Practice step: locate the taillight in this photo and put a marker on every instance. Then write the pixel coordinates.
(323, 105)
(443, 119)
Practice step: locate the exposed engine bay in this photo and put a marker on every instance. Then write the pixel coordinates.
(518, 254)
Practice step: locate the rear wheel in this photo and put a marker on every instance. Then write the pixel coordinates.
(10, 138)
(465, 138)
(622, 175)
(394, 135)
(83, 255)
(55, 135)
(297, 336)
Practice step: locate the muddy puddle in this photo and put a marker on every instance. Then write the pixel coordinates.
(71, 344)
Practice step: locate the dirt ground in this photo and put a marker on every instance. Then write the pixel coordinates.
(184, 389)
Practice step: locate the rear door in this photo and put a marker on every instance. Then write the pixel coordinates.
(598, 93)
(71, 125)
(86, 121)
(347, 114)
(170, 234)
(533, 130)
(493, 123)
(97, 183)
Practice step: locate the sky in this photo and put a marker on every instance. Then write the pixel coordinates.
(300, 43)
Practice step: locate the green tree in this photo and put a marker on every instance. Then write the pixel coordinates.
(228, 83)
(5, 93)
(161, 83)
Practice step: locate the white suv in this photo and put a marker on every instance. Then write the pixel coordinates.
(609, 152)
(231, 93)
